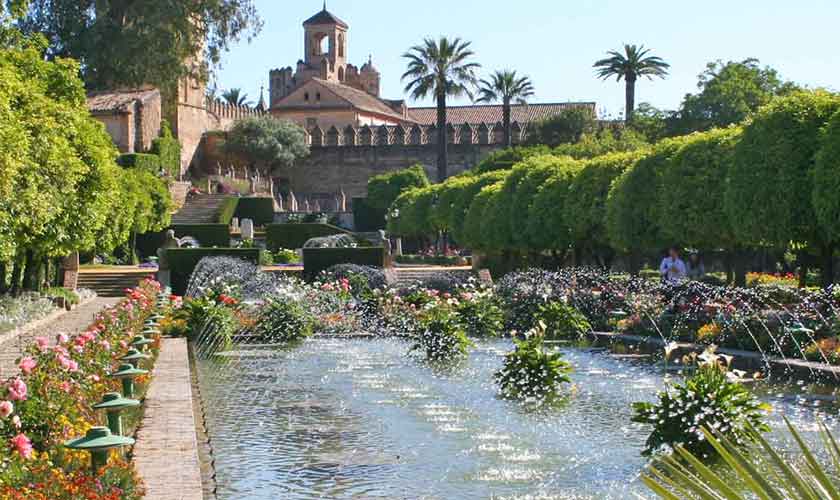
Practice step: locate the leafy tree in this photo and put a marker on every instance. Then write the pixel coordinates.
(653, 123)
(604, 141)
(632, 215)
(567, 126)
(632, 64)
(440, 68)
(771, 185)
(385, 188)
(137, 42)
(585, 205)
(235, 97)
(459, 198)
(505, 159)
(276, 144)
(548, 227)
(410, 214)
(475, 223)
(826, 197)
(168, 148)
(506, 86)
(729, 93)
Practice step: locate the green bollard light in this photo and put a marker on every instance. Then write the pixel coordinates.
(126, 375)
(140, 343)
(134, 357)
(98, 441)
(113, 403)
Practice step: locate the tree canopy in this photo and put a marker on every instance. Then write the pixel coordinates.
(265, 140)
(567, 126)
(826, 196)
(384, 189)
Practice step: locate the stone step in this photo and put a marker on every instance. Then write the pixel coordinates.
(109, 283)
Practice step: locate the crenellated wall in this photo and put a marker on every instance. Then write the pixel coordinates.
(481, 134)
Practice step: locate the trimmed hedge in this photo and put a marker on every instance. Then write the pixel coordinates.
(293, 236)
(227, 211)
(316, 260)
(208, 235)
(142, 161)
(433, 260)
(168, 149)
(182, 262)
(259, 210)
(367, 218)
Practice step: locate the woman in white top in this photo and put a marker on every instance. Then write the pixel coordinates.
(672, 269)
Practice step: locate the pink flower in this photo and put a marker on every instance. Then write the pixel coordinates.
(65, 386)
(17, 390)
(27, 364)
(79, 348)
(105, 345)
(94, 377)
(6, 409)
(123, 344)
(42, 343)
(62, 338)
(22, 445)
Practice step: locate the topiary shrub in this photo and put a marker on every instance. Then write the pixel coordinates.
(531, 374)
(562, 320)
(283, 320)
(168, 149)
(706, 399)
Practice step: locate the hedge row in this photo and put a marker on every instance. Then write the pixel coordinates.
(772, 183)
(293, 236)
(259, 210)
(142, 161)
(227, 211)
(316, 260)
(182, 262)
(367, 218)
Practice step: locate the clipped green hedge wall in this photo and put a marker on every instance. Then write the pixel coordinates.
(209, 235)
(316, 260)
(227, 210)
(259, 210)
(367, 218)
(293, 236)
(182, 262)
(168, 149)
(142, 161)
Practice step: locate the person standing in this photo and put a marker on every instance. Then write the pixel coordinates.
(672, 269)
(696, 269)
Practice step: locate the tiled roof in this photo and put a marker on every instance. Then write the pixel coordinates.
(325, 17)
(361, 99)
(492, 113)
(118, 101)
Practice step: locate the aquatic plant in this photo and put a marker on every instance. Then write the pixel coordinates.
(533, 374)
(478, 311)
(562, 320)
(709, 398)
(283, 321)
(758, 471)
(441, 336)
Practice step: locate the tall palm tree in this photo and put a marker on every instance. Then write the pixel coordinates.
(235, 97)
(506, 86)
(635, 62)
(440, 68)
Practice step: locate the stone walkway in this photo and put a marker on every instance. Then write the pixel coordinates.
(70, 322)
(166, 453)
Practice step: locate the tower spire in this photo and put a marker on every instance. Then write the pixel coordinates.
(325, 5)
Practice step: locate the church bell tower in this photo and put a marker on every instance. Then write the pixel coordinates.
(325, 44)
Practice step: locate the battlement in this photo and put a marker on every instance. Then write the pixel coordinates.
(412, 135)
(225, 111)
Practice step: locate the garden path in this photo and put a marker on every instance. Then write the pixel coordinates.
(70, 322)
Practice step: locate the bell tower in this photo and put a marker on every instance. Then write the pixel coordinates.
(325, 44)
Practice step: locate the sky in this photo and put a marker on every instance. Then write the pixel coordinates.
(555, 42)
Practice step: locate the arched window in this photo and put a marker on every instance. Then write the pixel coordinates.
(341, 73)
(324, 68)
(320, 44)
(306, 96)
(340, 45)
(317, 96)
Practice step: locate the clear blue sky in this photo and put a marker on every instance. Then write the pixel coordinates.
(555, 42)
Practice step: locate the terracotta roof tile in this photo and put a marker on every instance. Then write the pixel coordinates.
(118, 101)
(492, 113)
(361, 99)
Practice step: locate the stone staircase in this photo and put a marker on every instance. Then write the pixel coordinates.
(407, 275)
(112, 282)
(200, 209)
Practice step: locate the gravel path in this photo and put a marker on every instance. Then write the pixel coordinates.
(71, 322)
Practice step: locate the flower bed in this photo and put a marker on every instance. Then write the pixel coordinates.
(51, 401)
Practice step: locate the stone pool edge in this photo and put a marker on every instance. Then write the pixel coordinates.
(166, 453)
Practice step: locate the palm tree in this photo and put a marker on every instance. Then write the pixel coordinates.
(506, 86)
(635, 62)
(235, 97)
(440, 68)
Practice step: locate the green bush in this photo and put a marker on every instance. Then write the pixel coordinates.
(182, 261)
(294, 236)
(259, 210)
(441, 336)
(385, 188)
(316, 260)
(209, 235)
(480, 315)
(533, 375)
(141, 161)
(168, 149)
(562, 320)
(707, 399)
(58, 292)
(285, 256)
(367, 218)
(227, 211)
(283, 320)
